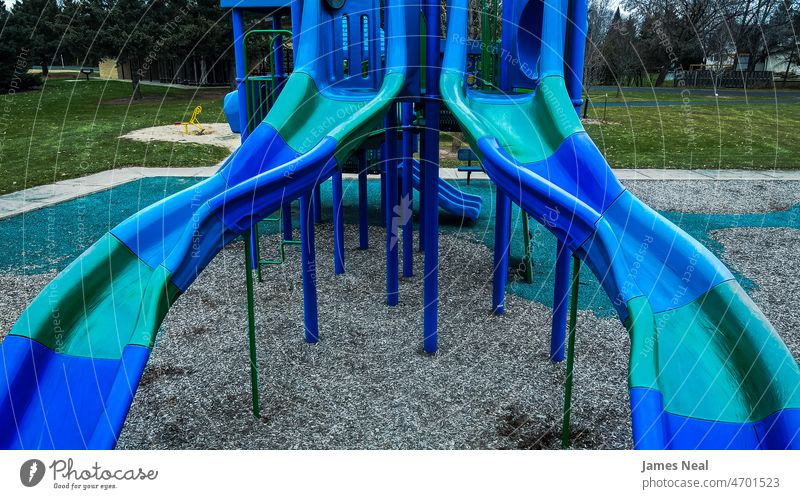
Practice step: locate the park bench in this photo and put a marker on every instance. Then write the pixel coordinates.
(466, 154)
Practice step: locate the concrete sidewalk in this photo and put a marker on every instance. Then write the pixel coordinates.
(65, 190)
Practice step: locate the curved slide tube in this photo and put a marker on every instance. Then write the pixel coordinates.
(451, 199)
(70, 366)
(707, 370)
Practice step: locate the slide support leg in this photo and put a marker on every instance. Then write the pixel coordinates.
(431, 262)
(422, 169)
(309, 268)
(407, 200)
(338, 223)
(392, 208)
(560, 297)
(382, 162)
(501, 243)
(527, 259)
(252, 239)
(286, 221)
(318, 204)
(363, 229)
(255, 251)
(432, 11)
(573, 319)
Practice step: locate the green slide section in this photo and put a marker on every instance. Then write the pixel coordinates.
(106, 299)
(717, 358)
(530, 129)
(303, 115)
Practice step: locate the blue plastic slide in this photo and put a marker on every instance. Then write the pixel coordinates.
(707, 369)
(451, 199)
(70, 366)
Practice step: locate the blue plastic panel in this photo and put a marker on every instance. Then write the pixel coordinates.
(654, 428)
(57, 401)
(637, 252)
(231, 107)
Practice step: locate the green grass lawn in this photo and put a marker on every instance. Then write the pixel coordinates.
(71, 129)
(598, 97)
(700, 136)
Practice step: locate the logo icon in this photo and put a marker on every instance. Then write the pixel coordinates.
(31, 472)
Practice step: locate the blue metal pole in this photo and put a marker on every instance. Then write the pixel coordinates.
(391, 209)
(573, 323)
(422, 211)
(241, 72)
(277, 48)
(338, 223)
(317, 203)
(407, 203)
(432, 11)
(381, 162)
(363, 229)
(560, 302)
(576, 45)
(252, 240)
(309, 269)
(286, 221)
(507, 27)
(244, 119)
(297, 11)
(502, 231)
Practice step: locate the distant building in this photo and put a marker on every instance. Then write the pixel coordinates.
(775, 63)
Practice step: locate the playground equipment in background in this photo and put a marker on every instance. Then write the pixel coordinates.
(466, 154)
(707, 370)
(193, 121)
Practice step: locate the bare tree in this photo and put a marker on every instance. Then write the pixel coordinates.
(759, 27)
(675, 33)
(600, 14)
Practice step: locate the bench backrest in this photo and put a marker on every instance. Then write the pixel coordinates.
(466, 154)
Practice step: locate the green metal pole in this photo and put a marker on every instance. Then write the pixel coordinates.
(258, 253)
(251, 326)
(573, 319)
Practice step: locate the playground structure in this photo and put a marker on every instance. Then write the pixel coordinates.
(707, 370)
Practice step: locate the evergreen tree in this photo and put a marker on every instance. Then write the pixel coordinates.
(204, 30)
(32, 28)
(136, 32)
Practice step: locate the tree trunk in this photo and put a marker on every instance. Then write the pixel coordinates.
(788, 67)
(232, 72)
(135, 79)
(203, 71)
(662, 75)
